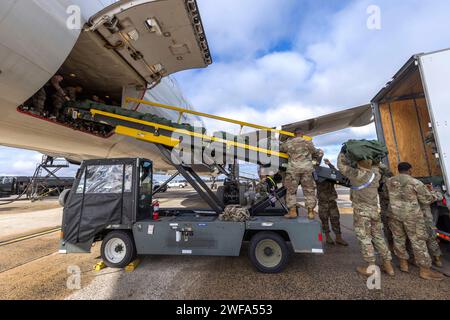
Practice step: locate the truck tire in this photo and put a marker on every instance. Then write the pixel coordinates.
(268, 252)
(118, 249)
(63, 197)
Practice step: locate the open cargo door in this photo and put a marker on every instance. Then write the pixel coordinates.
(155, 37)
(435, 72)
(132, 45)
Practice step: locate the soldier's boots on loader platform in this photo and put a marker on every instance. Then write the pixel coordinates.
(292, 214)
(428, 274)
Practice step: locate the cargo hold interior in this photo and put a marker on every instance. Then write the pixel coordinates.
(96, 67)
(405, 123)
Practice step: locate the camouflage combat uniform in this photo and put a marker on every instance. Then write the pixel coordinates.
(328, 208)
(383, 194)
(39, 101)
(59, 97)
(407, 220)
(300, 171)
(72, 93)
(432, 243)
(366, 218)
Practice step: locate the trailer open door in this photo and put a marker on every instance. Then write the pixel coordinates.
(435, 73)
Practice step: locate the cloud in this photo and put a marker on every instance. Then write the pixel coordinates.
(239, 29)
(259, 83)
(333, 61)
(352, 63)
(16, 162)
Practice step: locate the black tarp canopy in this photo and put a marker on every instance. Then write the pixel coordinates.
(101, 196)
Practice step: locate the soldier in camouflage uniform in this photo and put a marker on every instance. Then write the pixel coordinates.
(407, 220)
(383, 194)
(59, 96)
(39, 101)
(73, 92)
(365, 180)
(328, 209)
(300, 171)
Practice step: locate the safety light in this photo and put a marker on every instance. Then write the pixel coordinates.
(320, 237)
(443, 236)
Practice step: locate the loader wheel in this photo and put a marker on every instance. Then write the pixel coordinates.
(268, 252)
(118, 249)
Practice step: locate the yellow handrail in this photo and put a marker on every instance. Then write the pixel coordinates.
(206, 115)
(173, 142)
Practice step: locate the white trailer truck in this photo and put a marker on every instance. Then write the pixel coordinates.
(412, 116)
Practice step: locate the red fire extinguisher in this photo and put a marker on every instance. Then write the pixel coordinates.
(155, 206)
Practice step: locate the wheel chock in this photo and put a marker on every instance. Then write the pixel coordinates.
(99, 266)
(132, 266)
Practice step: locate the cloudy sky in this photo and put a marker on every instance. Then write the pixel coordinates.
(281, 61)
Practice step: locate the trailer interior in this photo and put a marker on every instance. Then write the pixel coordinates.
(404, 123)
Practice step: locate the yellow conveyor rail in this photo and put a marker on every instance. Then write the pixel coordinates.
(171, 141)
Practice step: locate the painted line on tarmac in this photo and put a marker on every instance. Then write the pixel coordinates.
(30, 236)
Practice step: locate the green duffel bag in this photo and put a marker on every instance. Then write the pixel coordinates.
(357, 150)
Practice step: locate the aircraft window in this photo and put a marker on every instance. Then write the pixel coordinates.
(104, 179)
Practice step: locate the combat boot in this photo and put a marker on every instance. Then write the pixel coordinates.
(363, 270)
(428, 274)
(329, 239)
(438, 261)
(387, 267)
(292, 214)
(341, 241)
(404, 267)
(311, 214)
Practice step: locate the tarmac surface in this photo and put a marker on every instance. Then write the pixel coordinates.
(32, 269)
